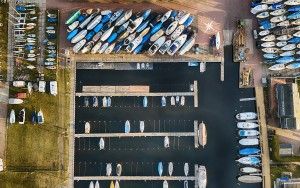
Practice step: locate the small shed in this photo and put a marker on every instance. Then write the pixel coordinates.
(286, 149)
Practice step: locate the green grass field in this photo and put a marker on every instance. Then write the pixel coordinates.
(3, 39)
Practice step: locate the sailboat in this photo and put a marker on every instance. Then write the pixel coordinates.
(166, 142)
(186, 169)
(142, 126)
(101, 144)
(97, 185)
(108, 169)
(165, 184)
(160, 168)
(170, 168)
(119, 169)
(91, 184)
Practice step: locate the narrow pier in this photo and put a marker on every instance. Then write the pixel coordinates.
(196, 93)
(121, 94)
(138, 134)
(135, 178)
(196, 139)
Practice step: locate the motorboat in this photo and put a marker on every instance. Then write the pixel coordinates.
(103, 48)
(119, 169)
(101, 144)
(86, 102)
(134, 24)
(293, 16)
(97, 36)
(87, 20)
(166, 16)
(177, 32)
(268, 44)
(278, 19)
(259, 8)
(277, 67)
(293, 66)
(288, 47)
(110, 48)
(268, 38)
(127, 126)
(112, 38)
(186, 169)
(40, 117)
(108, 169)
(145, 102)
(129, 38)
(163, 101)
(270, 1)
(91, 184)
(182, 100)
(170, 168)
(160, 168)
(96, 48)
(264, 32)
(166, 142)
(165, 184)
(250, 179)
(73, 17)
(276, 6)
(202, 134)
(108, 101)
(53, 88)
(189, 21)
(112, 185)
(97, 185)
(249, 151)
(12, 117)
(156, 28)
(132, 45)
(79, 36)
(246, 116)
(156, 45)
(249, 160)
(171, 28)
(73, 26)
(296, 39)
(249, 141)
(117, 185)
(116, 15)
(249, 170)
(278, 12)
(94, 22)
(142, 126)
(187, 46)
(185, 184)
(296, 22)
(263, 15)
(107, 33)
(202, 177)
(104, 102)
(87, 127)
(172, 101)
(142, 26)
(292, 2)
(287, 53)
(270, 56)
(267, 26)
(174, 47)
(165, 47)
(247, 125)
(184, 18)
(157, 35)
(106, 12)
(88, 46)
(281, 43)
(294, 9)
(248, 133)
(123, 18)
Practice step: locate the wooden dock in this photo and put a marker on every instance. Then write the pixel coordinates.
(138, 134)
(196, 138)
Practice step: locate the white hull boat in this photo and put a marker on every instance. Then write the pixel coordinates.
(165, 184)
(166, 142)
(172, 101)
(171, 28)
(264, 32)
(117, 185)
(94, 22)
(79, 36)
(186, 169)
(281, 43)
(277, 67)
(187, 46)
(106, 34)
(249, 141)
(270, 50)
(97, 185)
(202, 134)
(142, 126)
(268, 38)
(284, 37)
(270, 1)
(103, 48)
(202, 177)
(127, 126)
(96, 48)
(250, 179)
(249, 170)
(183, 18)
(182, 100)
(292, 2)
(170, 168)
(87, 127)
(278, 19)
(79, 45)
(297, 34)
(296, 22)
(247, 125)
(218, 41)
(278, 12)
(156, 45)
(166, 16)
(165, 47)
(104, 102)
(87, 47)
(248, 133)
(289, 47)
(157, 35)
(119, 170)
(131, 46)
(177, 44)
(123, 18)
(101, 144)
(91, 184)
(284, 23)
(246, 116)
(259, 8)
(110, 48)
(263, 15)
(108, 169)
(133, 25)
(12, 117)
(268, 44)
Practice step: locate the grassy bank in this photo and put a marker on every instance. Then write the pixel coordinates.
(277, 170)
(40, 152)
(3, 40)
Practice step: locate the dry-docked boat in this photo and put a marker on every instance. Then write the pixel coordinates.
(270, 1)
(157, 35)
(165, 46)
(130, 38)
(171, 27)
(278, 12)
(293, 66)
(174, 47)
(277, 67)
(79, 36)
(183, 18)
(298, 45)
(97, 36)
(87, 47)
(94, 22)
(177, 32)
(289, 47)
(134, 24)
(79, 45)
(246, 116)
(270, 56)
(284, 37)
(250, 179)
(292, 2)
(166, 16)
(107, 33)
(296, 22)
(268, 38)
(264, 32)
(96, 48)
(284, 23)
(281, 43)
(73, 26)
(116, 15)
(287, 53)
(259, 8)
(124, 17)
(156, 45)
(187, 45)
(103, 48)
(268, 44)
(270, 50)
(278, 19)
(263, 15)
(110, 48)
(87, 20)
(249, 170)
(202, 134)
(249, 141)
(131, 46)
(247, 125)
(170, 168)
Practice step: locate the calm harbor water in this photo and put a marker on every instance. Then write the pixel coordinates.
(218, 104)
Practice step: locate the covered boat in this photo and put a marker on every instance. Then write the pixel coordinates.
(246, 116)
(249, 141)
(247, 125)
(250, 179)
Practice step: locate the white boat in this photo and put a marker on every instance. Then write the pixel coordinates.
(297, 28)
(101, 144)
(96, 48)
(263, 15)
(77, 47)
(170, 168)
(277, 67)
(103, 48)
(297, 34)
(172, 101)
(270, 50)
(134, 24)
(177, 32)
(94, 22)
(127, 126)
(278, 12)
(87, 127)
(108, 169)
(278, 19)
(105, 12)
(184, 18)
(284, 23)
(247, 125)
(166, 142)
(249, 170)
(110, 48)
(249, 141)
(268, 38)
(186, 169)
(15, 101)
(268, 44)
(246, 116)
(108, 101)
(281, 43)
(131, 46)
(176, 45)
(119, 169)
(79, 36)
(293, 66)
(123, 18)
(19, 83)
(171, 27)
(89, 11)
(29, 87)
(142, 126)
(73, 26)
(53, 88)
(104, 102)
(86, 21)
(182, 100)
(288, 47)
(248, 132)
(259, 8)
(270, 1)
(145, 102)
(117, 185)
(107, 33)
(264, 32)
(202, 177)
(202, 134)
(97, 185)
(95, 101)
(87, 47)
(165, 47)
(218, 41)
(292, 2)
(157, 35)
(12, 117)
(177, 99)
(166, 16)
(165, 184)
(91, 184)
(284, 37)
(250, 179)
(163, 101)
(160, 168)
(296, 22)
(40, 117)
(156, 45)
(129, 38)
(187, 46)
(185, 184)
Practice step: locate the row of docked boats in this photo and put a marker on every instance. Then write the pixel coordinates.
(36, 117)
(279, 34)
(112, 184)
(248, 131)
(173, 101)
(106, 101)
(95, 31)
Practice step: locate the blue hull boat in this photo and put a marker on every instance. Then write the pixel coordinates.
(293, 66)
(72, 34)
(276, 6)
(142, 26)
(146, 14)
(295, 15)
(160, 168)
(98, 27)
(112, 38)
(138, 49)
(156, 28)
(294, 9)
(189, 21)
(249, 151)
(294, 40)
(270, 56)
(90, 35)
(286, 59)
(145, 102)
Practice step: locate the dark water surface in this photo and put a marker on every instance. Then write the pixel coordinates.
(218, 104)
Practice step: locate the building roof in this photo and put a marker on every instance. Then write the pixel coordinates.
(285, 100)
(288, 123)
(285, 149)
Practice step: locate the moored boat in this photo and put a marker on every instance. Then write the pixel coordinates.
(277, 67)
(145, 102)
(91, 184)
(127, 126)
(142, 126)
(12, 117)
(186, 169)
(250, 179)
(246, 116)
(248, 141)
(249, 170)
(268, 38)
(108, 169)
(87, 127)
(202, 134)
(249, 151)
(170, 168)
(293, 66)
(101, 144)
(165, 184)
(160, 168)
(247, 125)
(166, 142)
(202, 177)
(119, 169)
(249, 160)
(248, 133)
(97, 185)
